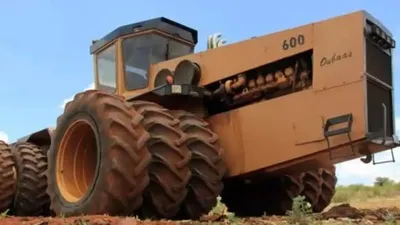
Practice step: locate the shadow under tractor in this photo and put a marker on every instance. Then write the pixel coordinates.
(166, 130)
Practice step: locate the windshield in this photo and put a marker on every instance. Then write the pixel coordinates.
(106, 69)
(140, 52)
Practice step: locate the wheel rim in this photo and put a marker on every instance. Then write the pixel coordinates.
(76, 161)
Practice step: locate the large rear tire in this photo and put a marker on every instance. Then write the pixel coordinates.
(31, 198)
(169, 172)
(206, 165)
(328, 185)
(272, 196)
(319, 187)
(312, 186)
(8, 178)
(288, 187)
(244, 199)
(98, 160)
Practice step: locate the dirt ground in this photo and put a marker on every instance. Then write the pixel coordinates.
(372, 203)
(382, 212)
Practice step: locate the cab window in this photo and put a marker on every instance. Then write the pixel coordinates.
(107, 69)
(136, 53)
(139, 52)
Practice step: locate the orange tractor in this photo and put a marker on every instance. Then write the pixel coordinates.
(166, 130)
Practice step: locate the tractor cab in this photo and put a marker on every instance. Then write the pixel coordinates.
(122, 57)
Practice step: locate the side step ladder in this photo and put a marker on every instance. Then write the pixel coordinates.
(348, 119)
(385, 161)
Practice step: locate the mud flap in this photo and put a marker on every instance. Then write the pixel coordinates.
(348, 120)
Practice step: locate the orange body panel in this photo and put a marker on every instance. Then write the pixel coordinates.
(287, 132)
(271, 133)
(282, 129)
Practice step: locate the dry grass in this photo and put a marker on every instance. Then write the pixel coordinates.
(384, 194)
(371, 203)
(377, 202)
(383, 188)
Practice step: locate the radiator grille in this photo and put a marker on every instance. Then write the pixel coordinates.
(376, 95)
(379, 64)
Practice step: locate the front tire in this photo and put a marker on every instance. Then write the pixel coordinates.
(206, 164)
(98, 160)
(169, 172)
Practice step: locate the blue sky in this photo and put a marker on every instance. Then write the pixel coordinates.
(44, 48)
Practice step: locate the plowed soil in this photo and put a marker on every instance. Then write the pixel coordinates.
(341, 214)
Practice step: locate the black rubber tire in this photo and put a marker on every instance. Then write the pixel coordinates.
(312, 186)
(274, 196)
(206, 164)
(122, 169)
(31, 198)
(169, 171)
(244, 199)
(328, 185)
(270, 196)
(280, 194)
(8, 181)
(319, 187)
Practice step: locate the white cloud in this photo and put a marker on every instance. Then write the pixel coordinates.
(3, 136)
(355, 171)
(90, 87)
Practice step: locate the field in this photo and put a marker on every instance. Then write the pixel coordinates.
(353, 204)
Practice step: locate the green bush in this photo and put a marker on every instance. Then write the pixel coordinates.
(381, 181)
